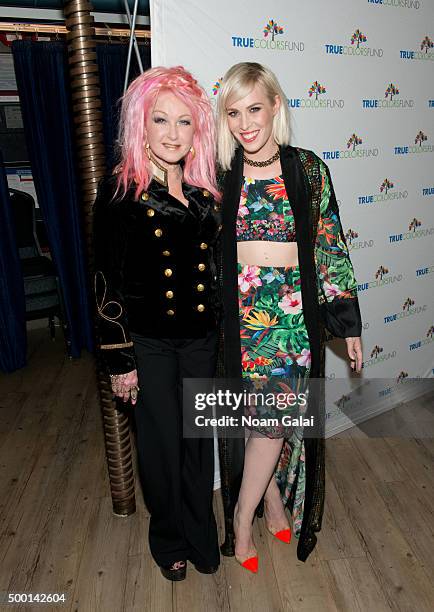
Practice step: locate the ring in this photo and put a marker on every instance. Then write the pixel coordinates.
(134, 392)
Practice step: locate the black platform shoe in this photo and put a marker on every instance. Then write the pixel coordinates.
(175, 572)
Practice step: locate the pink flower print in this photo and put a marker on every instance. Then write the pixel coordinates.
(243, 210)
(331, 290)
(291, 303)
(242, 226)
(249, 277)
(304, 359)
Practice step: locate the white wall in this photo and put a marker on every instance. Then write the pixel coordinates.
(315, 45)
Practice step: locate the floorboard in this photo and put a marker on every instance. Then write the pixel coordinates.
(58, 532)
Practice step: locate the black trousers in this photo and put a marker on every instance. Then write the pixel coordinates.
(177, 474)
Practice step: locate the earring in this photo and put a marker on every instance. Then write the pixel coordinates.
(148, 150)
(192, 151)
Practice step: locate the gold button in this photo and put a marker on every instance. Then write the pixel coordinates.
(200, 287)
(150, 212)
(201, 267)
(166, 253)
(219, 228)
(168, 272)
(203, 246)
(200, 307)
(145, 196)
(170, 313)
(206, 193)
(158, 233)
(169, 295)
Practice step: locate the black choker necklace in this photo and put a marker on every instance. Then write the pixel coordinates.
(262, 164)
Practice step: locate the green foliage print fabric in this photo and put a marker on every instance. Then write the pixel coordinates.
(276, 358)
(335, 272)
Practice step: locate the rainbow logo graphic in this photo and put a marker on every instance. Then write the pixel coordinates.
(216, 86)
(413, 232)
(417, 147)
(356, 47)
(425, 53)
(351, 152)
(408, 309)
(358, 37)
(271, 33)
(385, 194)
(353, 244)
(388, 100)
(314, 101)
(316, 89)
(272, 28)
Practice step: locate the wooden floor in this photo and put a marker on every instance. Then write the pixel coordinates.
(58, 533)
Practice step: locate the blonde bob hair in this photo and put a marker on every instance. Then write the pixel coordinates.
(237, 83)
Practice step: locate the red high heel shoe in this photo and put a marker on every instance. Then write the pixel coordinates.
(250, 563)
(284, 535)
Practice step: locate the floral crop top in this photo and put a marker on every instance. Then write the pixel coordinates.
(264, 212)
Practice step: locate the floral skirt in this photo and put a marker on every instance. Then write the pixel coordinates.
(275, 356)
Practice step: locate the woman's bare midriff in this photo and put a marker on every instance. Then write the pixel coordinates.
(265, 253)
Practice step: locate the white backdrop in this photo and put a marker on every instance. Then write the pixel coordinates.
(380, 148)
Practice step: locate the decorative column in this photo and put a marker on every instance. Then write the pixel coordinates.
(86, 106)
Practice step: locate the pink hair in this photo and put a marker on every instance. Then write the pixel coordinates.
(137, 102)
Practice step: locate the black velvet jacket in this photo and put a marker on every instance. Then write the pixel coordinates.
(302, 177)
(155, 270)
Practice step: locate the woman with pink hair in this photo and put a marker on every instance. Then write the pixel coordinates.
(156, 225)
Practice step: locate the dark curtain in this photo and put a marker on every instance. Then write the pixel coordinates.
(41, 70)
(13, 338)
(112, 62)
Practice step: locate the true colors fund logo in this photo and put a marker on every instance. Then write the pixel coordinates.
(382, 278)
(317, 98)
(429, 337)
(424, 271)
(272, 39)
(416, 148)
(409, 4)
(357, 47)
(377, 356)
(424, 53)
(391, 99)
(387, 193)
(353, 150)
(353, 244)
(413, 232)
(408, 309)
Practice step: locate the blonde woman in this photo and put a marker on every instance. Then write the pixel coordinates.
(286, 274)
